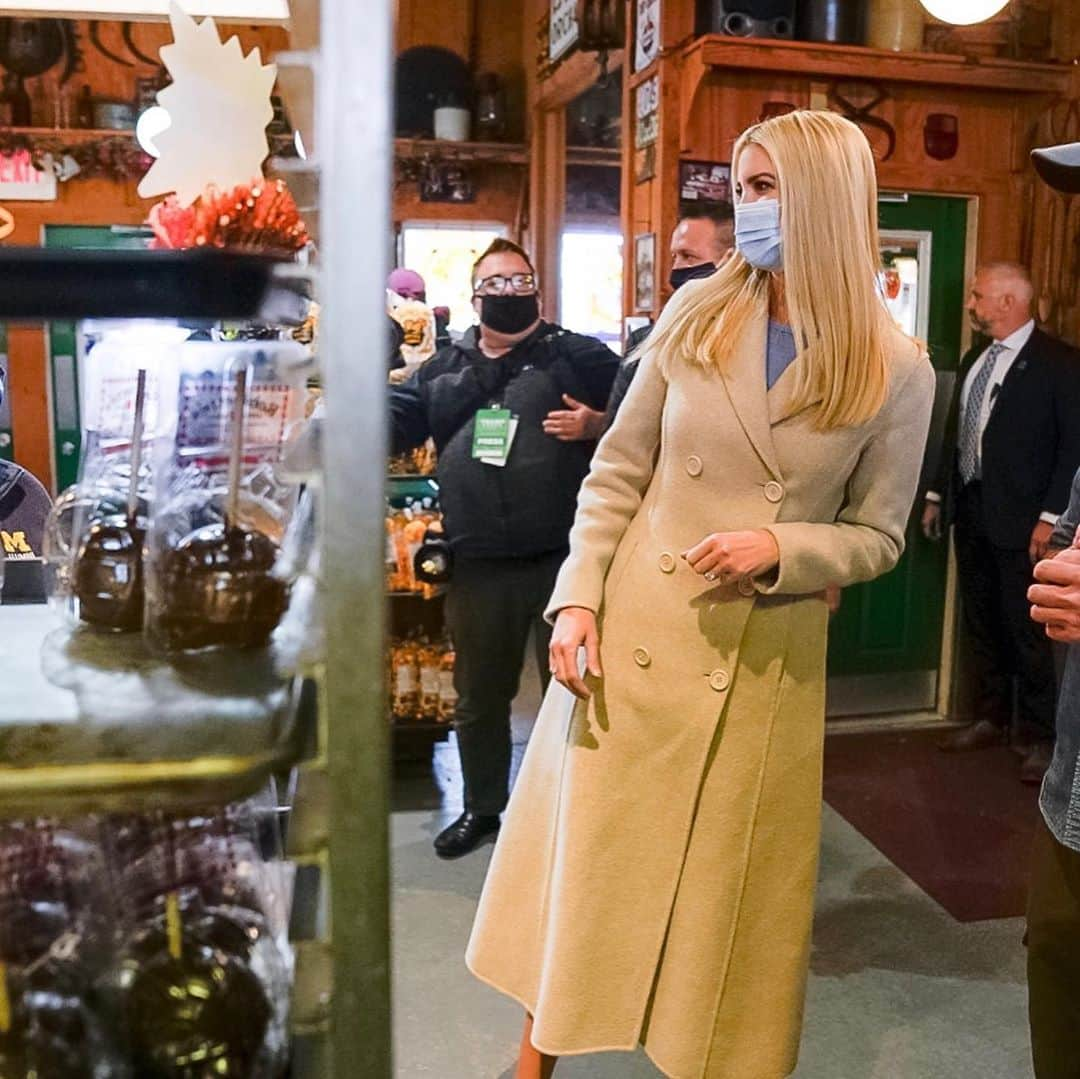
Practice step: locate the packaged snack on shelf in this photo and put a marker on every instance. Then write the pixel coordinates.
(222, 505)
(421, 681)
(146, 946)
(428, 658)
(201, 967)
(54, 935)
(448, 697)
(420, 461)
(405, 684)
(96, 532)
(406, 530)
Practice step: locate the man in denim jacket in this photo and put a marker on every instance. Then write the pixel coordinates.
(1054, 898)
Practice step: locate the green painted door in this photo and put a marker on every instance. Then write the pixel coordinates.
(64, 349)
(7, 440)
(885, 643)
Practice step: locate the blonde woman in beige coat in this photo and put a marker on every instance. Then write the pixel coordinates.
(654, 879)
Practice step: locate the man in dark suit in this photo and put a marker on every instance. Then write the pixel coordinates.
(1012, 444)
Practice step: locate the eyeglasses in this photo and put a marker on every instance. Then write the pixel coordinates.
(498, 285)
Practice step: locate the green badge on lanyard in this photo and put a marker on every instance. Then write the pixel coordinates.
(491, 433)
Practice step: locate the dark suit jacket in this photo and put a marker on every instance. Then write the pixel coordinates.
(1031, 447)
(627, 370)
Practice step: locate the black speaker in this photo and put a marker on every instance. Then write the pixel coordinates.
(747, 18)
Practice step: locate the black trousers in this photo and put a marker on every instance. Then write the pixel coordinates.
(1007, 648)
(491, 606)
(1054, 957)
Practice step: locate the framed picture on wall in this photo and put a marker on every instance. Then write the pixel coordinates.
(704, 181)
(645, 271)
(646, 33)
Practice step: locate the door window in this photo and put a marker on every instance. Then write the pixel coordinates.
(591, 284)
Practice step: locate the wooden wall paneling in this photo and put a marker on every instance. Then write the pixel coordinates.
(498, 194)
(1066, 33)
(729, 102)
(1053, 234)
(447, 24)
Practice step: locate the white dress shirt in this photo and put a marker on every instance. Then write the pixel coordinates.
(1002, 366)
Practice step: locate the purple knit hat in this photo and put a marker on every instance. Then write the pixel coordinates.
(407, 283)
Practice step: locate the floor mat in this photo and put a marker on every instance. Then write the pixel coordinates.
(959, 824)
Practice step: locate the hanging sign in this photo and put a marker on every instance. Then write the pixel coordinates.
(563, 30)
(646, 33)
(647, 112)
(20, 181)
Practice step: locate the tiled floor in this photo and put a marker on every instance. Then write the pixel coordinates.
(898, 989)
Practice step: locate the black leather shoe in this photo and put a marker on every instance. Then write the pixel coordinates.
(979, 735)
(467, 833)
(1034, 766)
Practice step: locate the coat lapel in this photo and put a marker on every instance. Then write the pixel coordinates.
(744, 379)
(1017, 372)
(781, 395)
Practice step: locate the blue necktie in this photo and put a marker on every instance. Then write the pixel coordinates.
(970, 434)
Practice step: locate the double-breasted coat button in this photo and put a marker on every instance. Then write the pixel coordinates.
(719, 680)
(746, 586)
(667, 562)
(642, 657)
(773, 491)
(694, 465)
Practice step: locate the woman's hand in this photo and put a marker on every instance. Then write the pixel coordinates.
(574, 627)
(728, 556)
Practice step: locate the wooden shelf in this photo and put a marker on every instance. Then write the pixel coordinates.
(95, 723)
(880, 65)
(497, 153)
(501, 153)
(596, 156)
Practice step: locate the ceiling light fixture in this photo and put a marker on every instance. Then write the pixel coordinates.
(963, 12)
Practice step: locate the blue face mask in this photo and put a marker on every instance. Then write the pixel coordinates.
(757, 234)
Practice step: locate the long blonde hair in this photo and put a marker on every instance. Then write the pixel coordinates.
(828, 198)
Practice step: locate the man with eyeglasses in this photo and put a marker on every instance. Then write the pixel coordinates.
(508, 491)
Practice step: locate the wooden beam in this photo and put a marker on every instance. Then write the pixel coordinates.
(573, 77)
(547, 200)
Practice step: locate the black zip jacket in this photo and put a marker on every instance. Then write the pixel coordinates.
(527, 507)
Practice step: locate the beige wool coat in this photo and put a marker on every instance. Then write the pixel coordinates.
(653, 881)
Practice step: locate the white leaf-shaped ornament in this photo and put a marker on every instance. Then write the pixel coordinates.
(219, 105)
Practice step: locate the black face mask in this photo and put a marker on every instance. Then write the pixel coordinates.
(509, 314)
(679, 277)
